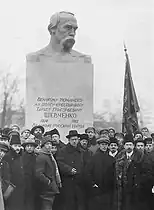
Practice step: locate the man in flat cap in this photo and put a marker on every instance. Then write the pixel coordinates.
(62, 28)
(133, 174)
(104, 132)
(101, 177)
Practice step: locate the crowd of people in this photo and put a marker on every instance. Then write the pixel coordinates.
(95, 170)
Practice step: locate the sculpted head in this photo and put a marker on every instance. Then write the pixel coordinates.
(62, 28)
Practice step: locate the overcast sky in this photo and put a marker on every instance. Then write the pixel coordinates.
(103, 26)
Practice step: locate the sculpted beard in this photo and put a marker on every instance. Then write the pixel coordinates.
(67, 43)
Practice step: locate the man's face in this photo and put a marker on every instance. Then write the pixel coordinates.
(113, 147)
(29, 148)
(74, 141)
(91, 134)
(55, 138)
(140, 146)
(84, 143)
(103, 147)
(38, 132)
(2, 154)
(129, 146)
(26, 134)
(145, 132)
(16, 147)
(15, 128)
(111, 133)
(149, 147)
(137, 136)
(120, 139)
(48, 146)
(54, 149)
(66, 31)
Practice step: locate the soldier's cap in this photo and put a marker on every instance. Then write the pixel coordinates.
(25, 129)
(111, 129)
(103, 140)
(15, 125)
(31, 141)
(103, 131)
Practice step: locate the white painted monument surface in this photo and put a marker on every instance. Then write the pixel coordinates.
(59, 95)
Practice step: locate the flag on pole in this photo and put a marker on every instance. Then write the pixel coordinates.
(130, 103)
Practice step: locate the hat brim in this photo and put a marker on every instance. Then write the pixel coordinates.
(103, 141)
(69, 136)
(35, 127)
(31, 143)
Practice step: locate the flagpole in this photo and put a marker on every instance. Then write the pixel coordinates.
(130, 103)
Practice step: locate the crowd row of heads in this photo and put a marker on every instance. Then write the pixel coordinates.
(108, 136)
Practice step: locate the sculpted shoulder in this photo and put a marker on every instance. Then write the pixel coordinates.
(73, 56)
(86, 58)
(34, 56)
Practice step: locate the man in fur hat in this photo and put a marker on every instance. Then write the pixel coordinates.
(57, 143)
(29, 163)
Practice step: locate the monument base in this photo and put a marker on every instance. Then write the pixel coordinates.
(59, 95)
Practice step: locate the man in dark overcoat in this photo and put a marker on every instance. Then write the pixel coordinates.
(47, 175)
(14, 160)
(101, 178)
(70, 161)
(29, 162)
(133, 171)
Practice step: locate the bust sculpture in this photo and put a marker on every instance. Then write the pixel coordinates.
(62, 29)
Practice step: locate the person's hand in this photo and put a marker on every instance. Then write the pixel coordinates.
(73, 171)
(153, 189)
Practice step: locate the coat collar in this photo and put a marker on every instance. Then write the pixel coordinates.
(72, 149)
